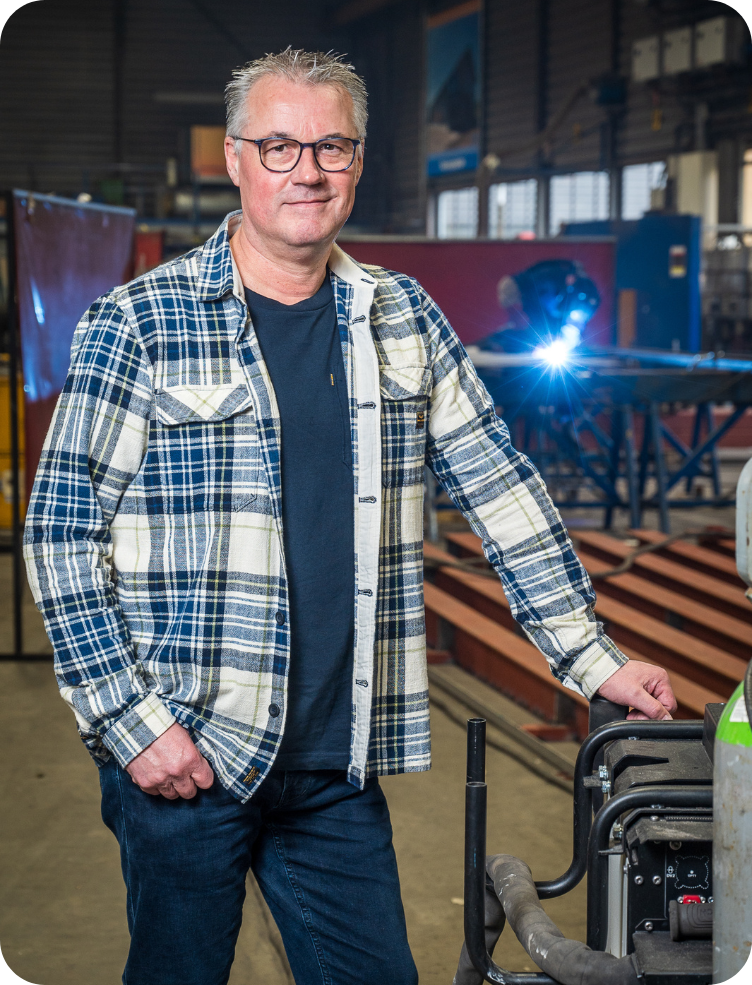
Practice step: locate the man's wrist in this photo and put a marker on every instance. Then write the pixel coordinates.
(141, 725)
(595, 665)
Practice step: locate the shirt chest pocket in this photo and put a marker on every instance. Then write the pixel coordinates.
(206, 454)
(404, 423)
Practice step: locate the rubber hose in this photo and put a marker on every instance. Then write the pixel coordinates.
(467, 973)
(566, 961)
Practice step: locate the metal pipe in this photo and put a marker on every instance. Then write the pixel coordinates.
(582, 795)
(606, 359)
(476, 803)
(655, 798)
(476, 750)
(475, 889)
(15, 447)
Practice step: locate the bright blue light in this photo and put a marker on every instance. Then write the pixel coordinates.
(558, 353)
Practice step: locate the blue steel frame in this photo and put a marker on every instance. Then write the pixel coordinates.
(578, 425)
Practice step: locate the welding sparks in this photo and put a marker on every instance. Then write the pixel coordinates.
(557, 353)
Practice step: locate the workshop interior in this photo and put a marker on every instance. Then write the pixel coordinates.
(571, 182)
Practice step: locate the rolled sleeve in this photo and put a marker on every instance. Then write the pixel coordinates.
(137, 729)
(595, 665)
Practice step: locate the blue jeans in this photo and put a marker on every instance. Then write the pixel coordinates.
(320, 849)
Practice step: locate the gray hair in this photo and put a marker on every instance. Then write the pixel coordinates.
(305, 67)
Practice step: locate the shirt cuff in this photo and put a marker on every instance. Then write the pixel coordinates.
(138, 728)
(595, 665)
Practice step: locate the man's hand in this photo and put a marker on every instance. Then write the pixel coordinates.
(644, 687)
(171, 766)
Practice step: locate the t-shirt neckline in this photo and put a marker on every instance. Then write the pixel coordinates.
(320, 299)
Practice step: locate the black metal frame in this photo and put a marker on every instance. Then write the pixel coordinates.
(15, 451)
(550, 413)
(16, 545)
(589, 836)
(657, 799)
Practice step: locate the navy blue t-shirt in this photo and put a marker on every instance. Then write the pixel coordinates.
(301, 347)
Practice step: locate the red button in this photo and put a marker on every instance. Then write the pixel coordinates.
(691, 899)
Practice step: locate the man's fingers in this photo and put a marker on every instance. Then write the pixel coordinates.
(203, 775)
(644, 687)
(649, 706)
(183, 787)
(664, 693)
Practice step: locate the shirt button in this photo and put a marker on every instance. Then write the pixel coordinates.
(280, 617)
(273, 710)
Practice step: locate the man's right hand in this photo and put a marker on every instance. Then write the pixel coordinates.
(171, 766)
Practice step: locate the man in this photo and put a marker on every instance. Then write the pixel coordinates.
(225, 540)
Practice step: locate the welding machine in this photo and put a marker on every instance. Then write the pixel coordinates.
(647, 854)
(662, 831)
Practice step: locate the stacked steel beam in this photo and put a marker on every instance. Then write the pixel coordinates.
(681, 606)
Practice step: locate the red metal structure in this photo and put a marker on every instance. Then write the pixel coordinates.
(462, 275)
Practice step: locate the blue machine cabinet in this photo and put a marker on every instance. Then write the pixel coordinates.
(658, 257)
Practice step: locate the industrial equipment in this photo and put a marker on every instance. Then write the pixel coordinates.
(647, 855)
(657, 278)
(663, 832)
(59, 257)
(592, 421)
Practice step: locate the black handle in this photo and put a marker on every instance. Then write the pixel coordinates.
(582, 800)
(603, 711)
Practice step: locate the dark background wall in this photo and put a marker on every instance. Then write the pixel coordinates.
(93, 91)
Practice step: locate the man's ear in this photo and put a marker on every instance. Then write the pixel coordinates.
(232, 160)
(361, 151)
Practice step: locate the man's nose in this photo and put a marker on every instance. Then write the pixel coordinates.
(307, 170)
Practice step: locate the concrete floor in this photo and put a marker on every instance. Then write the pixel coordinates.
(62, 900)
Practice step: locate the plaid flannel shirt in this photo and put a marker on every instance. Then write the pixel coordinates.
(154, 542)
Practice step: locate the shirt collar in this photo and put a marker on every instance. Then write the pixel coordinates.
(219, 275)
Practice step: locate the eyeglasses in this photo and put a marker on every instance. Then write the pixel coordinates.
(281, 154)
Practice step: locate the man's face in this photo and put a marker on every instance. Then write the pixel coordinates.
(305, 206)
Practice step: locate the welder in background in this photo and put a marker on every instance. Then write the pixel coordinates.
(549, 302)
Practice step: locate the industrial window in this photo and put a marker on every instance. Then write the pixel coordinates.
(457, 216)
(747, 190)
(638, 183)
(580, 197)
(512, 209)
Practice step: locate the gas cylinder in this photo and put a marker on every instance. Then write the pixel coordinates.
(732, 840)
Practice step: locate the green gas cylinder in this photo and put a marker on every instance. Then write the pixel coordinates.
(732, 840)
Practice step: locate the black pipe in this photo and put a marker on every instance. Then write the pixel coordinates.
(476, 750)
(582, 800)
(475, 893)
(597, 869)
(15, 440)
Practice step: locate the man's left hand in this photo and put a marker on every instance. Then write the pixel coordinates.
(644, 687)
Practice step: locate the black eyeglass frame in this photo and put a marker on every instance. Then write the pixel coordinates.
(262, 140)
